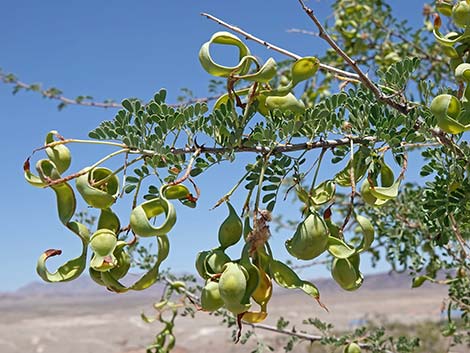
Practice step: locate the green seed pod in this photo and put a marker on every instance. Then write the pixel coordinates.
(368, 197)
(323, 193)
(285, 103)
(310, 239)
(232, 287)
(352, 348)
(448, 112)
(123, 260)
(59, 154)
(303, 69)
(109, 220)
(230, 230)
(344, 273)
(96, 276)
(141, 215)
(174, 192)
(103, 242)
(103, 195)
(214, 263)
(210, 297)
(461, 14)
(201, 263)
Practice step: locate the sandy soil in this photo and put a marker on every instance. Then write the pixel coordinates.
(113, 324)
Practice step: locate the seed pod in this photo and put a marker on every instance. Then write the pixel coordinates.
(109, 220)
(352, 348)
(368, 197)
(323, 193)
(310, 239)
(263, 292)
(232, 287)
(103, 195)
(214, 263)
(59, 154)
(346, 272)
(285, 103)
(103, 242)
(176, 192)
(230, 230)
(123, 260)
(448, 112)
(444, 8)
(461, 14)
(210, 297)
(201, 263)
(141, 215)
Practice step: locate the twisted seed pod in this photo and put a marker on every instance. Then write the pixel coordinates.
(284, 276)
(148, 279)
(201, 264)
(225, 38)
(141, 215)
(103, 242)
(252, 272)
(66, 205)
(59, 154)
(210, 297)
(123, 264)
(230, 231)
(368, 233)
(109, 220)
(232, 288)
(448, 112)
(102, 196)
(310, 238)
(366, 194)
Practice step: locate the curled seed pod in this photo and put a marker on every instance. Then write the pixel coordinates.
(264, 291)
(215, 261)
(230, 230)
(201, 263)
(448, 112)
(461, 14)
(367, 196)
(210, 297)
(368, 233)
(174, 192)
(103, 242)
(232, 288)
(96, 277)
(225, 38)
(66, 205)
(310, 238)
(265, 74)
(99, 187)
(141, 215)
(59, 154)
(352, 348)
(123, 261)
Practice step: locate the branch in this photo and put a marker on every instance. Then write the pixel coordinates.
(365, 80)
(263, 150)
(248, 36)
(54, 93)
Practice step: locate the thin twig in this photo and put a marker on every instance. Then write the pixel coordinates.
(53, 94)
(458, 235)
(365, 80)
(249, 36)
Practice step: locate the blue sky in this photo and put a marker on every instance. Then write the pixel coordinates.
(118, 49)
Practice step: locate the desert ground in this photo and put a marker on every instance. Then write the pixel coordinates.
(34, 320)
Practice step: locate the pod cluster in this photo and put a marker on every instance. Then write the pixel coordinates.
(250, 69)
(99, 188)
(453, 113)
(317, 233)
(238, 284)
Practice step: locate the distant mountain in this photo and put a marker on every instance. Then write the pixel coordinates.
(84, 286)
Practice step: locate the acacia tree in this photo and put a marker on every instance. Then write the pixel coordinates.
(286, 116)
